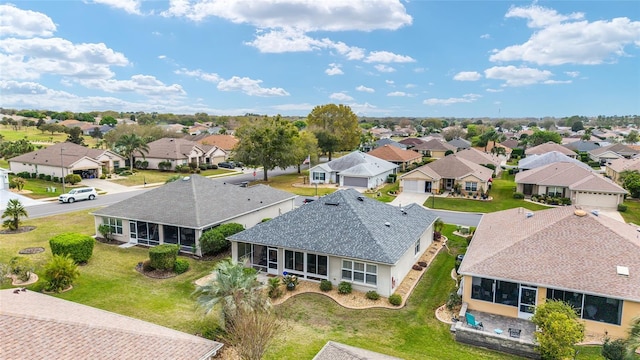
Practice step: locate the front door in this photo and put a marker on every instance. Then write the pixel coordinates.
(133, 232)
(427, 186)
(448, 184)
(272, 261)
(527, 301)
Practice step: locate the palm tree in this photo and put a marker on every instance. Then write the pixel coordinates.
(14, 211)
(633, 342)
(129, 144)
(231, 288)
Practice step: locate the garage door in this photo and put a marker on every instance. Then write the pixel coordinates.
(357, 182)
(413, 186)
(596, 200)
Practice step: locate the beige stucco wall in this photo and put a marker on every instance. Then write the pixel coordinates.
(485, 306)
(482, 184)
(402, 267)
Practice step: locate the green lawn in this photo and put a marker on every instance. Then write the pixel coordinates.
(39, 187)
(384, 192)
(286, 182)
(501, 192)
(632, 215)
(155, 176)
(33, 134)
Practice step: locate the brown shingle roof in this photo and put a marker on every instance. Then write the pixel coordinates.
(394, 154)
(619, 149)
(453, 167)
(51, 155)
(622, 164)
(556, 248)
(34, 325)
(224, 142)
(548, 147)
(570, 175)
(478, 157)
(435, 145)
(411, 141)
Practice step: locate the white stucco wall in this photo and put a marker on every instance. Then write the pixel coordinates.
(409, 258)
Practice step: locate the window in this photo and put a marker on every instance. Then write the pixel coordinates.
(555, 191)
(294, 261)
(244, 251)
(359, 272)
(416, 248)
(590, 307)
(145, 233)
(116, 164)
(318, 176)
(495, 291)
(115, 224)
(470, 186)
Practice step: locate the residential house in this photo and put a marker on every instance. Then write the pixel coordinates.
(443, 175)
(434, 148)
(411, 142)
(4, 179)
(549, 147)
(481, 158)
(356, 169)
(610, 152)
(519, 259)
(180, 211)
(387, 141)
(336, 351)
(568, 180)
(174, 128)
(459, 143)
(615, 167)
(61, 159)
(400, 157)
(224, 142)
(581, 146)
(179, 152)
(36, 325)
(381, 133)
(197, 129)
(535, 161)
(344, 236)
(511, 144)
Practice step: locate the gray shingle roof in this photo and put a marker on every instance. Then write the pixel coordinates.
(359, 164)
(385, 141)
(535, 160)
(353, 228)
(582, 145)
(459, 143)
(556, 248)
(38, 326)
(619, 149)
(454, 167)
(195, 203)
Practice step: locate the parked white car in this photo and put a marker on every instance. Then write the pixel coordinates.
(86, 193)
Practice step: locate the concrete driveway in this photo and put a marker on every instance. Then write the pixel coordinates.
(6, 195)
(406, 198)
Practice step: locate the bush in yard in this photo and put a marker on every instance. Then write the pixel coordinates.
(214, 241)
(560, 330)
(78, 246)
(326, 285)
(163, 257)
(72, 179)
(622, 207)
(395, 299)
(518, 195)
(249, 271)
(613, 350)
(344, 287)
(454, 300)
(180, 266)
(60, 273)
(372, 295)
(106, 231)
(274, 288)
(21, 267)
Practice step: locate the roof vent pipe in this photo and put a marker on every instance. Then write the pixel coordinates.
(529, 214)
(387, 224)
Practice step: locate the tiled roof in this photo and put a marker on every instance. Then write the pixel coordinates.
(38, 326)
(196, 202)
(224, 142)
(556, 248)
(383, 142)
(620, 165)
(478, 157)
(453, 167)
(70, 154)
(570, 175)
(582, 145)
(535, 160)
(459, 143)
(336, 351)
(347, 224)
(548, 147)
(171, 149)
(435, 145)
(510, 143)
(392, 153)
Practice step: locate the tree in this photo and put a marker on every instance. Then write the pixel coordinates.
(267, 142)
(338, 120)
(96, 133)
(631, 182)
(560, 330)
(109, 120)
(540, 137)
(129, 144)
(632, 137)
(14, 211)
(306, 145)
(327, 142)
(231, 288)
(60, 273)
(453, 133)
(577, 126)
(633, 341)
(75, 136)
(251, 332)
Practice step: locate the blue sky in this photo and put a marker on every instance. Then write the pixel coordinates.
(381, 57)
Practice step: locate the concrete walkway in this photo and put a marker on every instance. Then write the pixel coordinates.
(406, 198)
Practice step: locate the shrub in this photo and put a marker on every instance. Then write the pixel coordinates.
(106, 231)
(344, 287)
(326, 285)
(164, 165)
(103, 176)
(163, 257)
(454, 300)
(613, 350)
(274, 288)
(60, 273)
(78, 246)
(392, 178)
(212, 166)
(24, 175)
(181, 266)
(34, 175)
(422, 263)
(47, 177)
(21, 267)
(41, 176)
(372, 295)
(55, 179)
(395, 299)
(72, 179)
(518, 195)
(183, 169)
(249, 271)
(622, 207)
(265, 219)
(214, 241)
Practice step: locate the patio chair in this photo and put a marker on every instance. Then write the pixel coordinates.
(471, 321)
(514, 333)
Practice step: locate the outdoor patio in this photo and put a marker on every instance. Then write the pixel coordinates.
(492, 322)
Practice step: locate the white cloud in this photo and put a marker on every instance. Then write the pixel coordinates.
(384, 68)
(365, 89)
(467, 98)
(419, 70)
(328, 15)
(553, 82)
(24, 23)
(294, 107)
(410, 86)
(387, 57)
(572, 74)
(140, 84)
(250, 87)
(161, 57)
(334, 69)
(398, 93)
(210, 77)
(467, 76)
(390, 82)
(285, 40)
(130, 6)
(494, 90)
(340, 96)
(568, 39)
(517, 76)
(485, 36)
